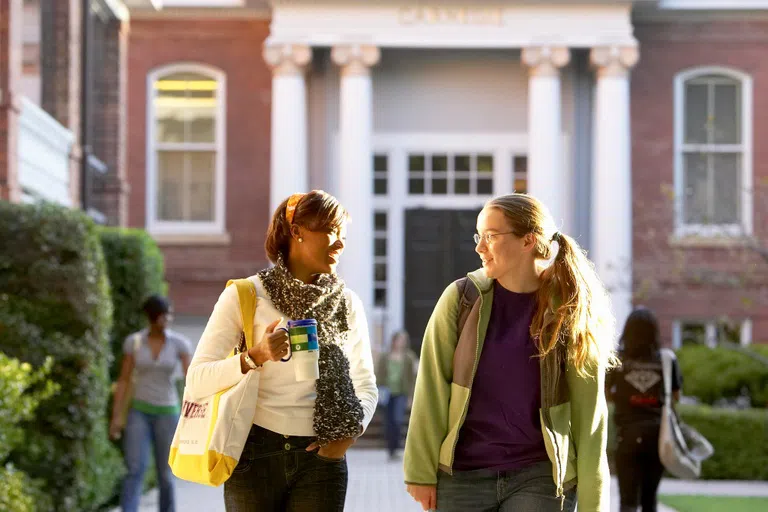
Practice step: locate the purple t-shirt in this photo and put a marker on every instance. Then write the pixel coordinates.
(502, 430)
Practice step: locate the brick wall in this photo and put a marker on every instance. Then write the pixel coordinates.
(60, 73)
(197, 273)
(10, 76)
(694, 282)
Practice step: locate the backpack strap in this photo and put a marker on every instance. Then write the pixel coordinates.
(246, 294)
(468, 295)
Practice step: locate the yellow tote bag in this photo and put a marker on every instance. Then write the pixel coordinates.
(212, 431)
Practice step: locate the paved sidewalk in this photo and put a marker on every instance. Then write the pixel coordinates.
(376, 485)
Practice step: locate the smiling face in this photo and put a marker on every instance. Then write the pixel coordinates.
(319, 251)
(505, 252)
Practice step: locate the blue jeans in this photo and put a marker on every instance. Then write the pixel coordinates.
(142, 431)
(530, 489)
(395, 416)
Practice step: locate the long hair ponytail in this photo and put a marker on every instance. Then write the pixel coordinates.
(574, 309)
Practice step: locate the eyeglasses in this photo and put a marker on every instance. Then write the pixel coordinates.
(488, 237)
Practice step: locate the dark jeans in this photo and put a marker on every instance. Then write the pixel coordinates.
(395, 416)
(530, 489)
(638, 466)
(276, 474)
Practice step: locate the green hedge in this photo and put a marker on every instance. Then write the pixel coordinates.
(710, 374)
(21, 391)
(136, 271)
(740, 439)
(55, 302)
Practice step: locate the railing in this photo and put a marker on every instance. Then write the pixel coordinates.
(43, 156)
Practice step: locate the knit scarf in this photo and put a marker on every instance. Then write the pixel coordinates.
(338, 413)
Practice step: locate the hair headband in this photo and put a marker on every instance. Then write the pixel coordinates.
(290, 209)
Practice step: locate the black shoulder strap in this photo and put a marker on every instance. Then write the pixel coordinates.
(468, 295)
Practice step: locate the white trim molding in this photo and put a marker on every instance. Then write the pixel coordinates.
(189, 228)
(745, 227)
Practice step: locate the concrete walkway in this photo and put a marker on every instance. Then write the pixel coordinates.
(376, 485)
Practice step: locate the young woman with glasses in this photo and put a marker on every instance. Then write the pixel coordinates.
(510, 410)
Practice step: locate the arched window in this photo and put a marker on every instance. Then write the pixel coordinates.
(713, 152)
(186, 141)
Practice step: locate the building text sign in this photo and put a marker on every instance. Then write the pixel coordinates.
(450, 16)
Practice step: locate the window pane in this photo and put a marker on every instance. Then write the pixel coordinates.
(439, 163)
(727, 122)
(696, 113)
(185, 107)
(484, 163)
(521, 186)
(461, 163)
(380, 186)
(416, 162)
(461, 186)
(170, 186)
(416, 186)
(202, 170)
(380, 272)
(520, 164)
(380, 247)
(439, 186)
(380, 163)
(729, 333)
(380, 221)
(696, 188)
(485, 186)
(380, 297)
(727, 188)
(694, 334)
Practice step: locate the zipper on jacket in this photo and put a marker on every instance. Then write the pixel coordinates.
(471, 381)
(560, 492)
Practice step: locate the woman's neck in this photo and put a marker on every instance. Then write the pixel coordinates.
(299, 271)
(156, 331)
(521, 279)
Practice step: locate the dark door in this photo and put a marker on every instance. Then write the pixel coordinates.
(438, 250)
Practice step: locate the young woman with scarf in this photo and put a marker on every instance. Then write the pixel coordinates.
(294, 459)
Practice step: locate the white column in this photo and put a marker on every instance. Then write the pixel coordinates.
(355, 173)
(612, 176)
(546, 170)
(289, 173)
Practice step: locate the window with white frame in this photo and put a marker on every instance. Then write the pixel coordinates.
(711, 332)
(441, 174)
(520, 169)
(380, 259)
(380, 174)
(713, 143)
(186, 150)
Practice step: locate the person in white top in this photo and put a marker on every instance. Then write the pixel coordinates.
(294, 459)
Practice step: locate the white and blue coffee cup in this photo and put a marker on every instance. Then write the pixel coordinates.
(304, 348)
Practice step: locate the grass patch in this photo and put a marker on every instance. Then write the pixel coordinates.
(714, 503)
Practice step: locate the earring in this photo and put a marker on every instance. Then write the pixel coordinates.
(301, 239)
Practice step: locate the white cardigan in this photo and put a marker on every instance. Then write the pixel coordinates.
(284, 406)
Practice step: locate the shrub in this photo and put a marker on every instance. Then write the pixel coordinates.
(21, 391)
(740, 439)
(55, 301)
(710, 374)
(136, 270)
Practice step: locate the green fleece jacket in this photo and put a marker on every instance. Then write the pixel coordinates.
(573, 414)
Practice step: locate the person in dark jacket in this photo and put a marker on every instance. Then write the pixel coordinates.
(637, 390)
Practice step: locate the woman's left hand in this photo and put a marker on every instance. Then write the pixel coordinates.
(334, 449)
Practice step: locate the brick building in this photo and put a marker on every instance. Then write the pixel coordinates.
(61, 110)
(634, 122)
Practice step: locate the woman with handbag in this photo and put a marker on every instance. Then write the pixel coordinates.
(509, 408)
(150, 360)
(397, 371)
(294, 458)
(637, 390)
